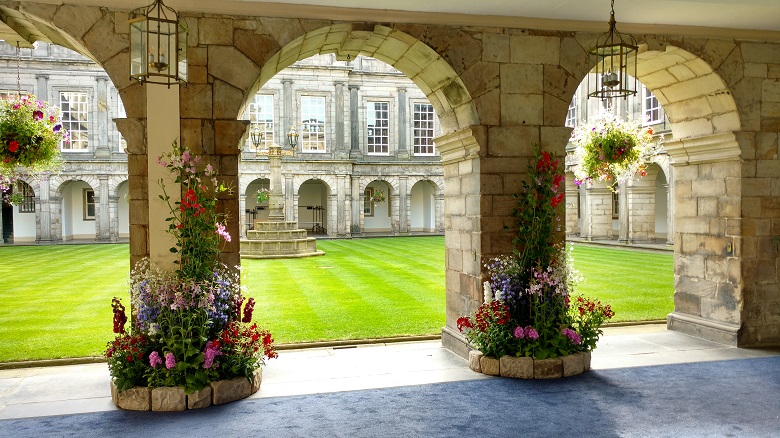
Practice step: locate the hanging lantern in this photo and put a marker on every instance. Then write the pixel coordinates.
(615, 70)
(158, 45)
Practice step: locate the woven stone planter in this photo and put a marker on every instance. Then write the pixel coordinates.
(529, 368)
(169, 399)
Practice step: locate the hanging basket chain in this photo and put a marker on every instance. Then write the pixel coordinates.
(18, 70)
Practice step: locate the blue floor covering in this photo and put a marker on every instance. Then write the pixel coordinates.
(736, 398)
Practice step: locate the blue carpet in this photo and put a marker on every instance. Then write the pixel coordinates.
(739, 398)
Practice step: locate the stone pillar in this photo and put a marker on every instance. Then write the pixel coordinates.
(275, 197)
(42, 88)
(357, 207)
(624, 214)
(113, 214)
(641, 208)
(403, 125)
(134, 132)
(572, 205)
(102, 215)
(670, 209)
(403, 205)
(394, 201)
(44, 214)
(342, 205)
(242, 211)
(162, 109)
(439, 199)
(354, 132)
(291, 212)
(287, 104)
(599, 200)
(464, 244)
(102, 150)
(339, 145)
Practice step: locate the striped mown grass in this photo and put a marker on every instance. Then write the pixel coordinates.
(55, 301)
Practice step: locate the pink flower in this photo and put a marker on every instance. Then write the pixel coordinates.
(571, 334)
(154, 359)
(37, 115)
(211, 352)
(220, 229)
(170, 361)
(519, 333)
(531, 333)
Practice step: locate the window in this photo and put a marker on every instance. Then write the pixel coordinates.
(89, 205)
(75, 111)
(651, 109)
(571, 115)
(377, 128)
(312, 124)
(423, 129)
(261, 116)
(368, 206)
(28, 198)
(615, 205)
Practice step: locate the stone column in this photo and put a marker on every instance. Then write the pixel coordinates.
(339, 144)
(242, 211)
(624, 214)
(572, 212)
(102, 150)
(291, 210)
(287, 105)
(463, 219)
(599, 199)
(439, 199)
(134, 132)
(341, 206)
(403, 207)
(354, 132)
(113, 214)
(395, 219)
(44, 213)
(42, 88)
(641, 206)
(670, 208)
(357, 207)
(403, 125)
(102, 215)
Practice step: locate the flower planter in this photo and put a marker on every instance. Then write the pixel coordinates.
(529, 368)
(170, 399)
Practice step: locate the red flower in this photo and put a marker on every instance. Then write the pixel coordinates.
(557, 199)
(13, 146)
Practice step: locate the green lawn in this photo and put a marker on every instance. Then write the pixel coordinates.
(55, 300)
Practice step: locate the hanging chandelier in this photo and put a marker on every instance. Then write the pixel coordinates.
(158, 45)
(615, 71)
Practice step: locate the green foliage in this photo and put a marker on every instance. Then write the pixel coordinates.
(30, 135)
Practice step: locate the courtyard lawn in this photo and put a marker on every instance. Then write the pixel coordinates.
(55, 300)
(638, 285)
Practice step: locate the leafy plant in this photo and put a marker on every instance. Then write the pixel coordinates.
(610, 149)
(30, 135)
(262, 195)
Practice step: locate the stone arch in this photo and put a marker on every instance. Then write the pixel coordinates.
(424, 66)
(391, 182)
(436, 182)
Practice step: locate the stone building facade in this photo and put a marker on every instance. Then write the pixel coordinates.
(498, 88)
(326, 189)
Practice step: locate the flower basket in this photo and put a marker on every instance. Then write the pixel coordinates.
(528, 312)
(610, 149)
(193, 326)
(30, 136)
(262, 195)
(377, 197)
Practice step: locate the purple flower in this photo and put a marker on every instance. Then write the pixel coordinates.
(211, 352)
(571, 334)
(37, 115)
(57, 128)
(531, 333)
(154, 359)
(519, 333)
(170, 361)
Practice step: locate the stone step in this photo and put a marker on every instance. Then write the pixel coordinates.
(268, 249)
(276, 234)
(275, 226)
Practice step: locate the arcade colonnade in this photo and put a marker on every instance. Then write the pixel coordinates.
(497, 92)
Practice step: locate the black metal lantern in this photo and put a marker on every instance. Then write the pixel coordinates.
(615, 55)
(257, 136)
(292, 137)
(158, 45)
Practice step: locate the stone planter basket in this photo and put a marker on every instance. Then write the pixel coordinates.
(172, 399)
(530, 368)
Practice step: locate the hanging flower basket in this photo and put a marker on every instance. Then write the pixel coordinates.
(262, 195)
(30, 136)
(612, 150)
(377, 197)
